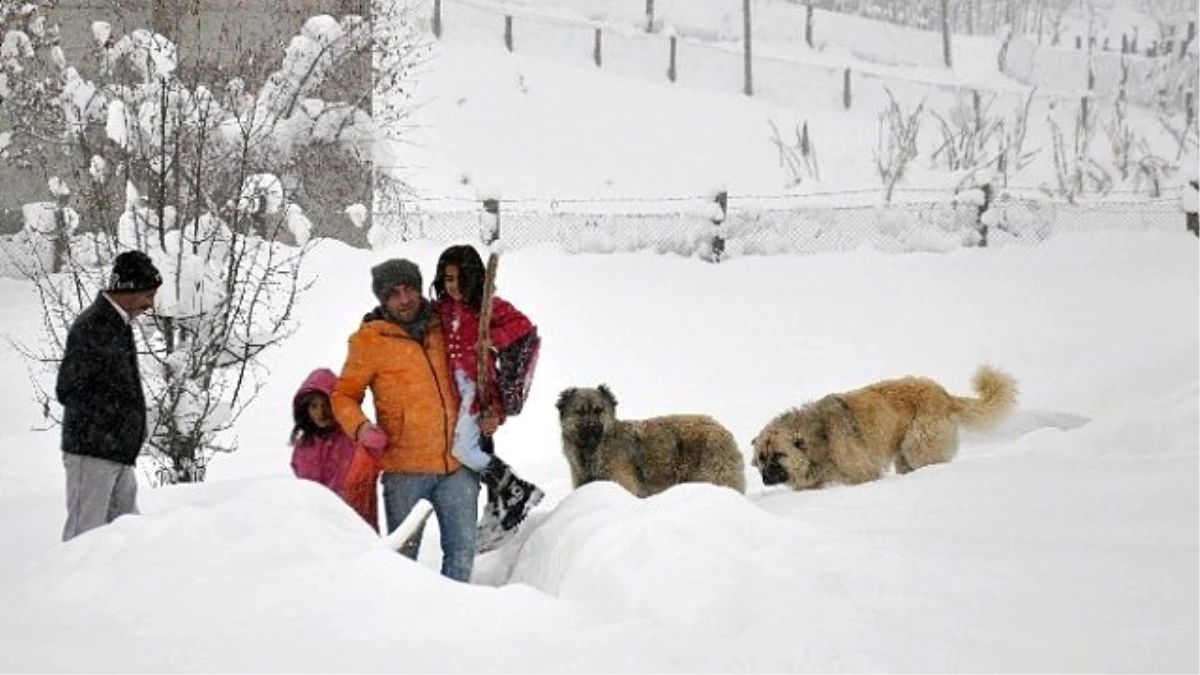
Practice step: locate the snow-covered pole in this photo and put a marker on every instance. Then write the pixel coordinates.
(60, 238)
(1190, 196)
(984, 220)
(721, 200)
(489, 229)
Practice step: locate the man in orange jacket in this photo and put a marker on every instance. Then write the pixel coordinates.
(399, 351)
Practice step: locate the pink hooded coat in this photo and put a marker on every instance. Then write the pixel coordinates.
(335, 460)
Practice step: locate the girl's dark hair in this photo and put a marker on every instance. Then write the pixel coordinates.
(470, 274)
(305, 427)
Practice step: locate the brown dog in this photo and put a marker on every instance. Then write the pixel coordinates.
(644, 456)
(853, 437)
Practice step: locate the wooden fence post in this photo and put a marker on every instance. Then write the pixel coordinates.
(596, 49)
(748, 87)
(437, 18)
(808, 24)
(649, 16)
(977, 106)
(947, 51)
(508, 38)
(846, 89)
(1083, 103)
(986, 188)
(671, 72)
(489, 229)
(1190, 219)
(718, 241)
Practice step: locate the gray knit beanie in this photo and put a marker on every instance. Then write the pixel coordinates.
(390, 273)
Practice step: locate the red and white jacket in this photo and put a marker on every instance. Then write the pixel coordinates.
(461, 326)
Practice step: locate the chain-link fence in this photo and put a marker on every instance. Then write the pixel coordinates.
(712, 229)
(717, 229)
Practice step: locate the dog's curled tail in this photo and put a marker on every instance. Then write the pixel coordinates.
(997, 396)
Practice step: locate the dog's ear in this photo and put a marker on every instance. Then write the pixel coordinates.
(835, 420)
(604, 391)
(564, 398)
(814, 449)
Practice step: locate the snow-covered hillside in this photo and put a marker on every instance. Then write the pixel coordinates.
(544, 122)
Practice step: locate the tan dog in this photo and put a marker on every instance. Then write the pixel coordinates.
(644, 456)
(853, 437)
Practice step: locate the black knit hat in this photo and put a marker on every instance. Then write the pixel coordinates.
(133, 272)
(389, 273)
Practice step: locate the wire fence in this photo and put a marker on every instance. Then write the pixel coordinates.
(717, 228)
(722, 227)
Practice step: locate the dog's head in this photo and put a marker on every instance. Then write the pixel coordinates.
(789, 449)
(585, 414)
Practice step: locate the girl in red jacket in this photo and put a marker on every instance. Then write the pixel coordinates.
(322, 452)
(458, 291)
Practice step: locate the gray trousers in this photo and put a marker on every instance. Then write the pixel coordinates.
(98, 492)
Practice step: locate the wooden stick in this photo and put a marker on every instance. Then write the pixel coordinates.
(483, 346)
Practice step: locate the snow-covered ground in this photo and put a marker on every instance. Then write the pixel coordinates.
(1065, 540)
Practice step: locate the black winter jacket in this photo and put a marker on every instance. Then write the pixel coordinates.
(100, 389)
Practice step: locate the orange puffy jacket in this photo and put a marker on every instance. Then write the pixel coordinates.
(415, 401)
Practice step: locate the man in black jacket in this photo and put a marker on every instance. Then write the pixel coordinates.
(100, 389)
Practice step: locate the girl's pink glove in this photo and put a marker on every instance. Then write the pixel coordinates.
(372, 438)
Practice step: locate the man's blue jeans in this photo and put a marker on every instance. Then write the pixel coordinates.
(455, 499)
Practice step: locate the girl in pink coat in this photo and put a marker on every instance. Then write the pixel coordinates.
(323, 452)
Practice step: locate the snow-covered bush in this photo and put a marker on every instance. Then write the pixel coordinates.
(204, 176)
(897, 142)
